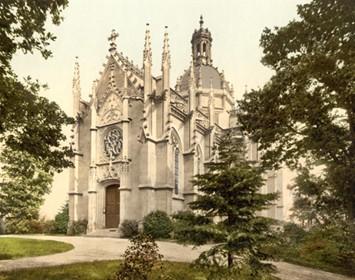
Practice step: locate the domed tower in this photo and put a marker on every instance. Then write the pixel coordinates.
(201, 45)
(207, 90)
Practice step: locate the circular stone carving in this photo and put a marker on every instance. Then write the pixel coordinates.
(113, 143)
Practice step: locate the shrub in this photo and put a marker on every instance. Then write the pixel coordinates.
(18, 226)
(129, 228)
(77, 227)
(48, 227)
(140, 258)
(61, 220)
(329, 247)
(157, 224)
(2, 226)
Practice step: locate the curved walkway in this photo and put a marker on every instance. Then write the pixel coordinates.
(98, 248)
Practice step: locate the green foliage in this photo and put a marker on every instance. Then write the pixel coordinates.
(330, 247)
(140, 258)
(23, 26)
(61, 220)
(129, 228)
(30, 125)
(184, 223)
(316, 200)
(28, 122)
(307, 108)
(226, 212)
(25, 183)
(77, 227)
(157, 224)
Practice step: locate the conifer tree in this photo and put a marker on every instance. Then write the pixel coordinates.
(226, 211)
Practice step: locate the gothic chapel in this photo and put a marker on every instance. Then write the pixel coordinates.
(138, 141)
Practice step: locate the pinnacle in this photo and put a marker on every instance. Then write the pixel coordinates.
(112, 39)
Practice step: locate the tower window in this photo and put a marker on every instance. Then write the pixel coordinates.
(176, 171)
(204, 48)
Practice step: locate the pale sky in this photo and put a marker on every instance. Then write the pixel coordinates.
(236, 26)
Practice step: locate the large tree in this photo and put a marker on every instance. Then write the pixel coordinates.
(31, 137)
(226, 212)
(307, 109)
(29, 122)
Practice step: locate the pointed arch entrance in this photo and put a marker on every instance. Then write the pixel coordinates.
(112, 206)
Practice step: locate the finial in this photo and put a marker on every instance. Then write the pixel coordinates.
(201, 21)
(112, 39)
(93, 89)
(76, 68)
(76, 78)
(166, 52)
(147, 53)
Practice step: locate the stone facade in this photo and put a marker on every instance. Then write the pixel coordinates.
(138, 141)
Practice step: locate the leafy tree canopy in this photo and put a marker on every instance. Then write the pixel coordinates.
(25, 184)
(307, 109)
(22, 25)
(28, 122)
(31, 138)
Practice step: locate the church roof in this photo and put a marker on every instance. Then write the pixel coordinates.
(209, 76)
(206, 76)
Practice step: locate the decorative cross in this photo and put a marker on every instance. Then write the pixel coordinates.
(112, 39)
(201, 21)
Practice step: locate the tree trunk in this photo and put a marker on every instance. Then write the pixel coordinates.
(230, 260)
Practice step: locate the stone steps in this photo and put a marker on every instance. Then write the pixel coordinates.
(107, 232)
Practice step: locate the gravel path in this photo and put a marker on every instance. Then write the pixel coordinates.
(98, 248)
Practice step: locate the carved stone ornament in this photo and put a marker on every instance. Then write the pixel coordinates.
(112, 171)
(113, 143)
(110, 110)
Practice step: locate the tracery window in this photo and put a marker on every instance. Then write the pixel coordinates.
(199, 163)
(177, 164)
(176, 170)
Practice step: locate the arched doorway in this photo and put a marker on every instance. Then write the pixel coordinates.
(112, 213)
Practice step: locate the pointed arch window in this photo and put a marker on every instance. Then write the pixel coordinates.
(198, 160)
(176, 170)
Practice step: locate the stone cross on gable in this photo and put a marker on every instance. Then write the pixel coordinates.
(112, 40)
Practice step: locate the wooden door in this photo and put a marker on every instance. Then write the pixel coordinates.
(112, 206)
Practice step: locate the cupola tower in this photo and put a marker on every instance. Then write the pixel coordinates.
(201, 45)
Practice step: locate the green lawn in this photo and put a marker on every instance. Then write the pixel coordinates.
(93, 271)
(13, 248)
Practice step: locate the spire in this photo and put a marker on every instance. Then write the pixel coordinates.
(147, 53)
(112, 39)
(76, 87)
(93, 89)
(76, 78)
(166, 51)
(201, 21)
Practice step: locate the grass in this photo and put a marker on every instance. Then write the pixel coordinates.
(13, 248)
(105, 270)
(98, 270)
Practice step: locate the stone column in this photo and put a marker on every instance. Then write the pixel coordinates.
(92, 219)
(125, 190)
